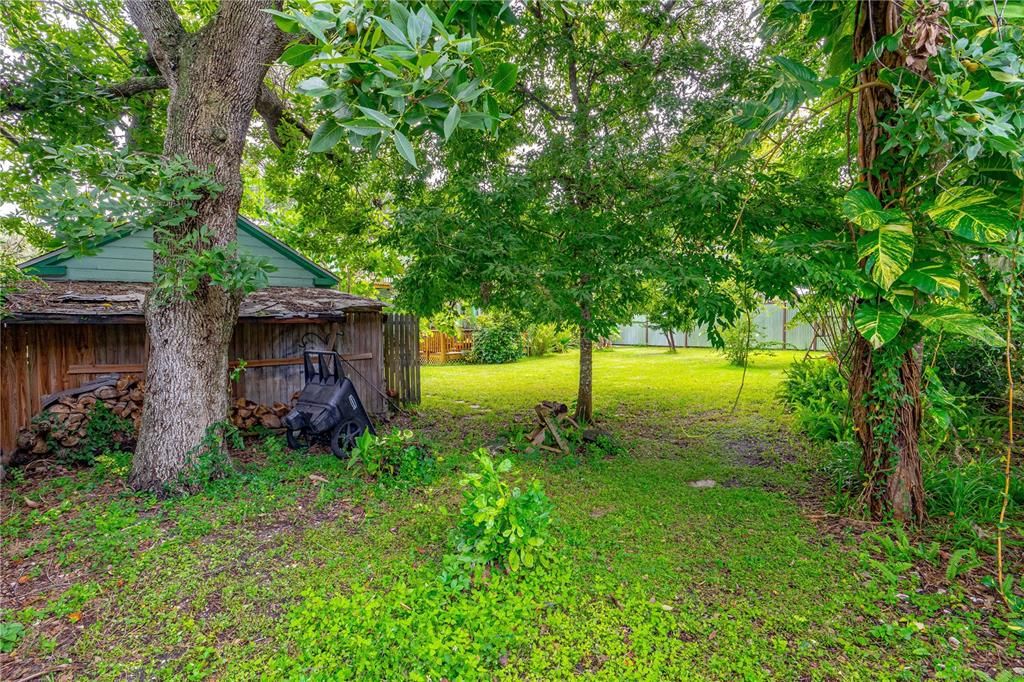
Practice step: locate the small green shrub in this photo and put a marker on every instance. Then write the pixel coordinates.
(499, 523)
(497, 341)
(10, 635)
(815, 392)
(392, 459)
(742, 339)
(104, 432)
(210, 460)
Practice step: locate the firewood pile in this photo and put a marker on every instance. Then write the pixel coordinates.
(61, 425)
(247, 415)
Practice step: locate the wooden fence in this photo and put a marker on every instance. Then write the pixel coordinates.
(401, 360)
(39, 359)
(439, 348)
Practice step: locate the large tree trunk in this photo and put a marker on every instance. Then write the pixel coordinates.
(214, 76)
(887, 413)
(886, 405)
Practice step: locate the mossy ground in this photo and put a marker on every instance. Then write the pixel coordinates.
(275, 573)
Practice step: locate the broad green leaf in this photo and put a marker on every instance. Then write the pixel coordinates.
(902, 299)
(451, 121)
(938, 279)
(404, 148)
(862, 208)
(285, 22)
(972, 213)
(326, 136)
(505, 77)
(878, 323)
(952, 320)
(311, 84)
(889, 248)
(299, 54)
(513, 560)
(378, 116)
(393, 32)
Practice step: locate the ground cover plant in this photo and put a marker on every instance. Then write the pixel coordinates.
(300, 566)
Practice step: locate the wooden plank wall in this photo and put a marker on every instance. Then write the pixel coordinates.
(39, 359)
(401, 357)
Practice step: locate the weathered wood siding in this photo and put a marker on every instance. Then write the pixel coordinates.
(401, 357)
(129, 260)
(39, 359)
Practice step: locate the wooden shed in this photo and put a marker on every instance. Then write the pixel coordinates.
(83, 319)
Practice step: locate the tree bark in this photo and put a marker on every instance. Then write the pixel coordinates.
(585, 393)
(670, 337)
(891, 460)
(214, 77)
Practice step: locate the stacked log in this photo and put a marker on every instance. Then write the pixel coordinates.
(62, 423)
(61, 426)
(247, 415)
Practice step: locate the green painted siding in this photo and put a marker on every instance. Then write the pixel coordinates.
(129, 260)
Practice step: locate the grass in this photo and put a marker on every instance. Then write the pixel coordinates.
(300, 568)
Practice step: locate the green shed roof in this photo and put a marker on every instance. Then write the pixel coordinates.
(126, 258)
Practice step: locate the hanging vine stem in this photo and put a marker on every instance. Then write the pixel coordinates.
(1007, 471)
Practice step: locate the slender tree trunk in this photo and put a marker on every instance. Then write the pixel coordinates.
(214, 76)
(886, 405)
(585, 394)
(669, 336)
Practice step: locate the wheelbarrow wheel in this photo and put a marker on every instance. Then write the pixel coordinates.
(343, 438)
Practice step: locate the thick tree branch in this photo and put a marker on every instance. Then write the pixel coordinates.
(134, 86)
(9, 136)
(162, 29)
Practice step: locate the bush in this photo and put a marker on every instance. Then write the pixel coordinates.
(499, 523)
(969, 367)
(816, 393)
(540, 339)
(742, 339)
(496, 342)
(392, 459)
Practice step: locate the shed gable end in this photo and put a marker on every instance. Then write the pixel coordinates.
(128, 259)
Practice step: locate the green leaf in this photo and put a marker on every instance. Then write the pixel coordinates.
(952, 320)
(972, 213)
(513, 560)
(326, 136)
(299, 54)
(889, 248)
(505, 77)
(404, 148)
(936, 279)
(862, 208)
(878, 323)
(378, 116)
(451, 121)
(393, 32)
(285, 22)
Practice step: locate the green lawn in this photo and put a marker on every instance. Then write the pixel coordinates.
(273, 574)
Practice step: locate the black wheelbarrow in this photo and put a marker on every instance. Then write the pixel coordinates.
(328, 410)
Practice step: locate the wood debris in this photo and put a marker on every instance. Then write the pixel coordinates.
(553, 417)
